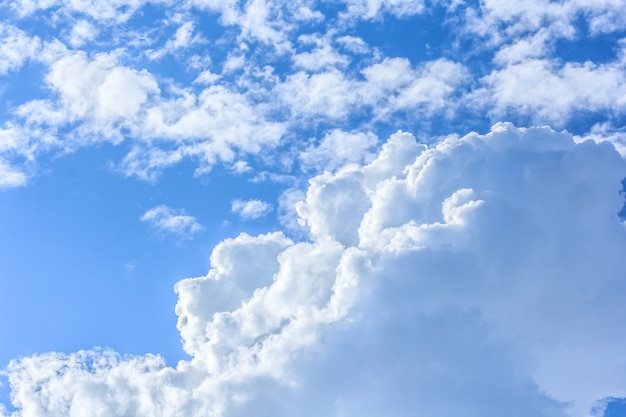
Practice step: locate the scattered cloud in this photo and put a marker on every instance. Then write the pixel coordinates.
(82, 32)
(373, 9)
(605, 132)
(166, 220)
(250, 209)
(16, 47)
(261, 80)
(550, 93)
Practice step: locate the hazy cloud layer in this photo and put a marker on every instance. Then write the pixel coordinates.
(479, 276)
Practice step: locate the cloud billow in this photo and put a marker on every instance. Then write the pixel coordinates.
(480, 276)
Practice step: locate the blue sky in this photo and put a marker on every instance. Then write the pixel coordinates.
(359, 207)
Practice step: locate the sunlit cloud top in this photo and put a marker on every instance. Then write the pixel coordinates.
(387, 207)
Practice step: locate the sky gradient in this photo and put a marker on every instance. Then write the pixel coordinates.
(315, 208)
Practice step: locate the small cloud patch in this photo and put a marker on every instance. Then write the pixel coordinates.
(250, 209)
(167, 220)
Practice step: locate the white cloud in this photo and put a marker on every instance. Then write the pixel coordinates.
(267, 22)
(108, 101)
(327, 94)
(100, 93)
(353, 44)
(116, 10)
(250, 209)
(166, 220)
(82, 32)
(338, 148)
(373, 9)
(481, 276)
(385, 88)
(16, 47)
(551, 93)
(206, 77)
(10, 176)
(183, 38)
(523, 49)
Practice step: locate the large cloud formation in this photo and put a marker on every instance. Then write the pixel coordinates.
(481, 276)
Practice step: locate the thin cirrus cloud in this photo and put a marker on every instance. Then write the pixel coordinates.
(448, 287)
(168, 221)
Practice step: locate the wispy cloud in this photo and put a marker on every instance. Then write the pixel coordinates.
(166, 220)
(250, 209)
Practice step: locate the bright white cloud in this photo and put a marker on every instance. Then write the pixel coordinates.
(166, 220)
(109, 101)
(100, 93)
(338, 148)
(82, 32)
(385, 88)
(501, 21)
(11, 177)
(16, 47)
(550, 93)
(250, 209)
(480, 276)
(267, 79)
(323, 55)
(115, 10)
(373, 9)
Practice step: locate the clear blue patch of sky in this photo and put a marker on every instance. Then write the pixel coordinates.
(599, 48)
(18, 87)
(616, 407)
(62, 289)
(419, 38)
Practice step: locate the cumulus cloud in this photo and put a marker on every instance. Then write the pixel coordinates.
(167, 220)
(250, 209)
(98, 92)
(106, 101)
(281, 67)
(82, 32)
(605, 132)
(480, 276)
(384, 88)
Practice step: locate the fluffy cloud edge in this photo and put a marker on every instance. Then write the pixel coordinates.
(467, 276)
